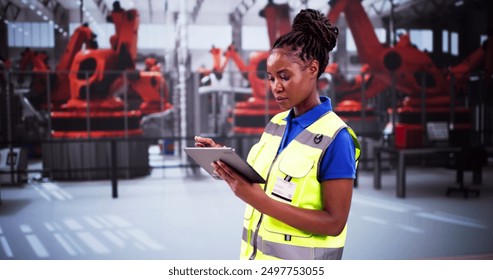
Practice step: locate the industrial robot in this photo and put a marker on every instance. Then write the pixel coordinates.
(410, 72)
(38, 63)
(96, 105)
(83, 37)
(96, 75)
(251, 115)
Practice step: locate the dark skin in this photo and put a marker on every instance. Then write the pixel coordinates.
(294, 85)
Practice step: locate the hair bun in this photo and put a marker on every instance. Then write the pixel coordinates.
(305, 18)
(317, 25)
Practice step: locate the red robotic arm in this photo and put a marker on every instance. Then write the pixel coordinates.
(38, 60)
(402, 61)
(60, 93)
(82, 36)
(124, 41)
(405, 68)
(38, 88)
(97, 76)
(278, 22)
(94, 71)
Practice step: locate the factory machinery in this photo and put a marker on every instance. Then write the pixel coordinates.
(420, 93)
(90, 88)
(250, 116)
(89, 99)
(430, 93)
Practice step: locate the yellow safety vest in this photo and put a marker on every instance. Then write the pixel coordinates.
(267, 238)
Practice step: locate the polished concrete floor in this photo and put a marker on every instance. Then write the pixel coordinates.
(174, 214)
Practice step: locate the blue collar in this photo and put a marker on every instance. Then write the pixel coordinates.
(312, 115)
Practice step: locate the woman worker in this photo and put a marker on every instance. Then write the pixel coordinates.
(307, 154)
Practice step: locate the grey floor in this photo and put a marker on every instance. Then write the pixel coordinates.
(173, 214)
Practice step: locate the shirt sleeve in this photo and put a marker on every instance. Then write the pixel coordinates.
(338, 162)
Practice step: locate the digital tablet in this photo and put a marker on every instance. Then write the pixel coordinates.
(204, 156)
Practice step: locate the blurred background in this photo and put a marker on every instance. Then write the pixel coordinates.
(98, 98)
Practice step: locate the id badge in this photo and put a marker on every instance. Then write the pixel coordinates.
(284, 189)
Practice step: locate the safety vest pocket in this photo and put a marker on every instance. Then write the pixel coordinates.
(295, 167)
(297, 171)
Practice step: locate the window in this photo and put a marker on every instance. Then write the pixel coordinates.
(156, 36)
(423, 39)
(254, 38)
(445, 41)
(454, 43)
(351, 45)
(381, 33)
(31, 34)
(202, 37)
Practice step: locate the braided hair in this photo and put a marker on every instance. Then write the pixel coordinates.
(312, 37)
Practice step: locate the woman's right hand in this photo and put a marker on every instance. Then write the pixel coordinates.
(205, 142)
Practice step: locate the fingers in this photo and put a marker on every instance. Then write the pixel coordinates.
(218, 170)
(200, 141)
(204, 142)
(226, 172)
(198, 144)
(222, 171)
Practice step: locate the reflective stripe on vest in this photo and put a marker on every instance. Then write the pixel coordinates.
(299, 161)
(289, 252)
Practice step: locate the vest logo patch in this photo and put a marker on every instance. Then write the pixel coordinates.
(318, 138)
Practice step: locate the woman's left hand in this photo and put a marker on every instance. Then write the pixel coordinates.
(246, 191)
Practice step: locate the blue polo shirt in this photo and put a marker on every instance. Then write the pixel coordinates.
(338, 161)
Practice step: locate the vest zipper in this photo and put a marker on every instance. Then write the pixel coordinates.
(257, 228)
